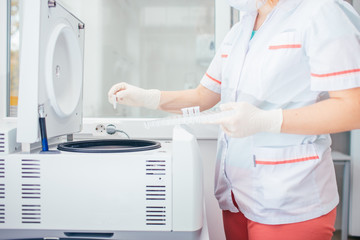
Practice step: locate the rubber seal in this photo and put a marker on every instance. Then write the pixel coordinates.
(109, 146)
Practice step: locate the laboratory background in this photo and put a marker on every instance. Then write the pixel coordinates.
(161, 44)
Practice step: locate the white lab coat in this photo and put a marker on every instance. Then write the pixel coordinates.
(304, 49)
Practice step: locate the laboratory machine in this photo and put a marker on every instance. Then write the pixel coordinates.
(52, 187)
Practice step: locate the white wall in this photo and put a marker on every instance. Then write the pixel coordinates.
(222, 21)
(356, 4)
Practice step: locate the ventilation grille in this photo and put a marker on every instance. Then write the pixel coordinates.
(156, 193)
(30, 191)
(2, 213)
(2, 142)
(31, 214)
(30, 168)
(155, 215)
(2, 168)
(155, 167)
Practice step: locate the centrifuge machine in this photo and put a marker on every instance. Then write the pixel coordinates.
(96, 189)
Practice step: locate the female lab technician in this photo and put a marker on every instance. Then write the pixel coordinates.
(291, 71)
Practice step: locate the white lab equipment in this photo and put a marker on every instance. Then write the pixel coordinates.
(153, 194)
(354, 221)
(95, 189)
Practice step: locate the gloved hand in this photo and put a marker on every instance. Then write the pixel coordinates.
(248, 120)
(134, 96)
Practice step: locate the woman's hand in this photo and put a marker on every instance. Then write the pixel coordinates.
(247, 120)
(134, 96)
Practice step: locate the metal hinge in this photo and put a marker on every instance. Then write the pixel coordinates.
(51, 3)
(81, 26)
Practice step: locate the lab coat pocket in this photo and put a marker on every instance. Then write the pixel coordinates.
(285, 176)
(285, 40)
(284, 59)
(284, 49)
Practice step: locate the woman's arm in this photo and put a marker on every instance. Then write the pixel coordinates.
(173, 101)
(170, 101)
(339, 113)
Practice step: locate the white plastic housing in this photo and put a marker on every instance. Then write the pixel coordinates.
(187, 181)
(153, 194)
(8, 142)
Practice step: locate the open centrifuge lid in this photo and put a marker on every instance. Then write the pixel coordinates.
(51, 70)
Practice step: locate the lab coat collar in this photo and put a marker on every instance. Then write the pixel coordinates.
(288, 5)
(283, 5)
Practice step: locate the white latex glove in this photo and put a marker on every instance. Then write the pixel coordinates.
(134, 96)
(248, 120)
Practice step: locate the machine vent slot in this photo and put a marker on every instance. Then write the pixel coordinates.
(155, 167)
(30, 168)
(2, 168)
(2, 142)
(31, 214)
(31, 191)
(2, 213)
(2, 191)
(155, 215)
(155, 192)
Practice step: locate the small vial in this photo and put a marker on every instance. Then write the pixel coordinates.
(114, 101)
